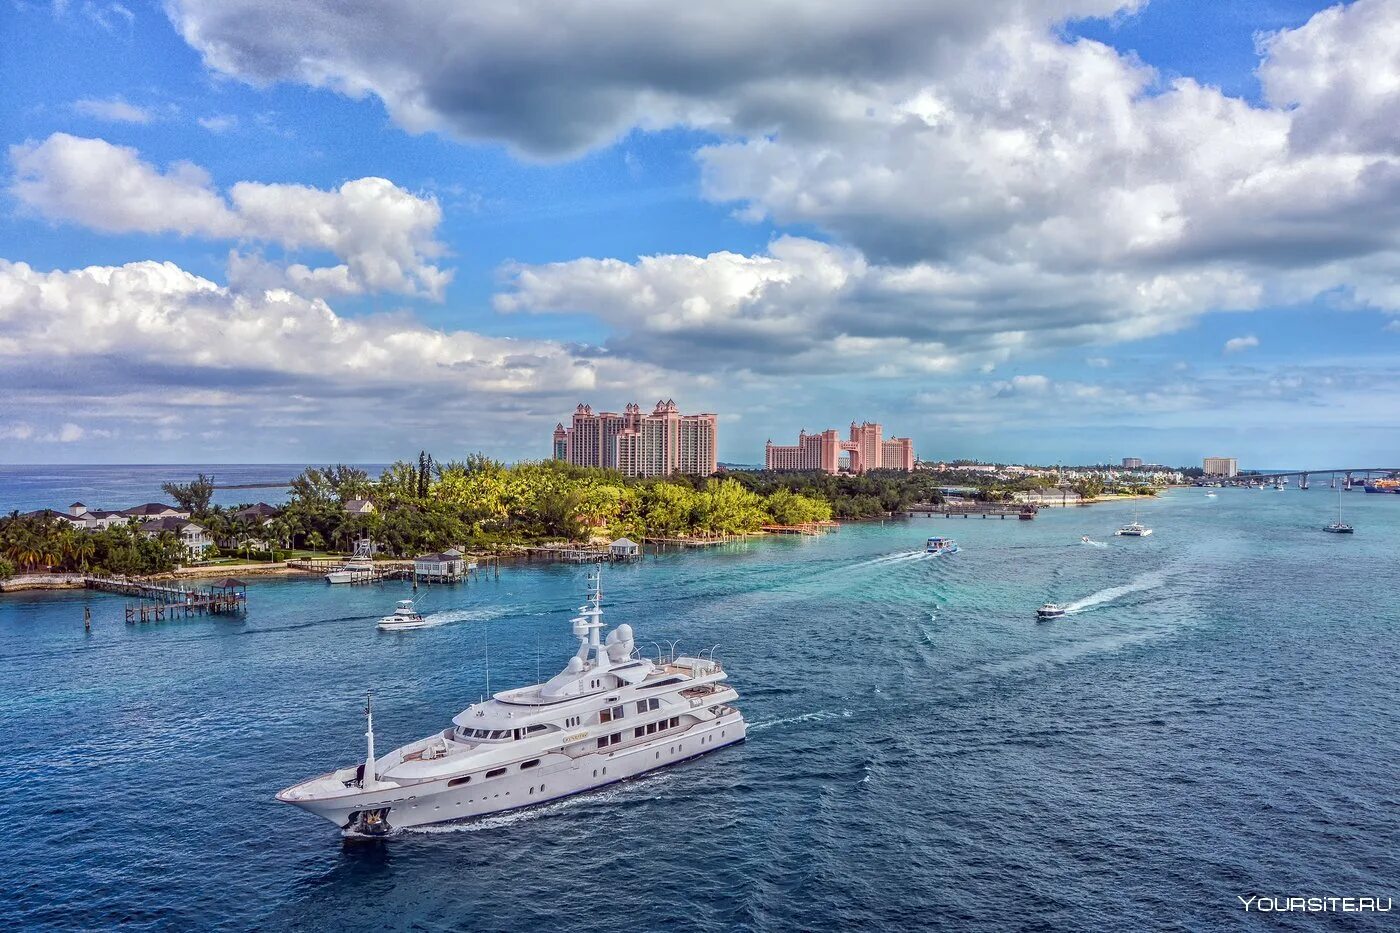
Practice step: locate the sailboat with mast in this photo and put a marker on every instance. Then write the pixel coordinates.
(1339, 527)
(1134, 528)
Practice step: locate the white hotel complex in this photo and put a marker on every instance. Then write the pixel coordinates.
(658, 444)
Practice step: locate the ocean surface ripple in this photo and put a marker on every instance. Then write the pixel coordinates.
(1216, 716)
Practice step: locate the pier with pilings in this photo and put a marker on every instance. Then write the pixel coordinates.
(967, 509)
(160, 602)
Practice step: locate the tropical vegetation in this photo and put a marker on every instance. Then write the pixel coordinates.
(36, 543)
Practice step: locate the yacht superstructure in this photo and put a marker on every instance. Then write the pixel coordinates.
(607, 716)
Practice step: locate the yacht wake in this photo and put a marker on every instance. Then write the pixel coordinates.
(1145, 582)
(447, 616)
(805, 717)
(1092, 543)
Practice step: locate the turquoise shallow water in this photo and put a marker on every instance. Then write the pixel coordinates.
(1217, 718)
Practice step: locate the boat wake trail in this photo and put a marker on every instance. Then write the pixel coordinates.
(1091, 543)
(899, 558)
(448, 616)
(1145, 582)
(805, 717)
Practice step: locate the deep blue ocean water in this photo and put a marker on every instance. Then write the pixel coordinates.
(121, 486)
(1217, 719)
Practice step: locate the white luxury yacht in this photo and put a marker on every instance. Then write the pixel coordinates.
(608, 716)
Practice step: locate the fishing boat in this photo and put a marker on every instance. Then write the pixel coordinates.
(1050, 611)
(609, 715)
(355, 570)
(938, 545)
(405, 617)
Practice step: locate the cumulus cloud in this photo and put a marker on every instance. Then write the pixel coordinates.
(557, 77)
(154, 314)
(1236, 344)
(218, 123)
(1076, 198)
(113, 110)
(18, 431)
(813, 307)
(384, 234)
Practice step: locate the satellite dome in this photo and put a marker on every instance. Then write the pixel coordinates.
(575, 665)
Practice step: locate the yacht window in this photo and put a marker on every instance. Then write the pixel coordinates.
(654, 702)
(603, 742)
(638, 732)
(515, 734)
(455, 782)
(605, 715)
(662, 683)
(675, 721)
(500, 733)
(529, 764)
(495, 772)
(537, 727)
(651, 727)
(641, 706)
(617, 712)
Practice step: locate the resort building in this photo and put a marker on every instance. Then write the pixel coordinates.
(637, 444)
(1220, 466)
(1132, 463)
(865, 449)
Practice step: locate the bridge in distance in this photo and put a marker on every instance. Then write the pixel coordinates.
(1348, 475)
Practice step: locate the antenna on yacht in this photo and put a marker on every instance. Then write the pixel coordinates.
(369, 780)
(486, 639)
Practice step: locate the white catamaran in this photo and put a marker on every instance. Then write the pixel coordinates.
(607, 716)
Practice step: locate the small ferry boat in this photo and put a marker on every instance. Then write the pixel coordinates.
(609, 715)
(1210, 495)
(1050, 611)
(404, 617)
(355, 570)
(939, 545)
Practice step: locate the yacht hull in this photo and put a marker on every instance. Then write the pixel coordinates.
(436, 802)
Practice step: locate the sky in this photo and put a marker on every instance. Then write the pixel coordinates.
(1016, 230)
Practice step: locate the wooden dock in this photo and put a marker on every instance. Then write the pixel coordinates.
(661, 541)
(157, 602)
(967, 509)
(806, 528)
(567, 554)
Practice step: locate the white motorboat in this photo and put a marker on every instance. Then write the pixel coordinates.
(405, 617)
(609, 715)
(355, 570)
(1050, 611)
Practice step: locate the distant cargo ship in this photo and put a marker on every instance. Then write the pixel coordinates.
(1384, 485)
